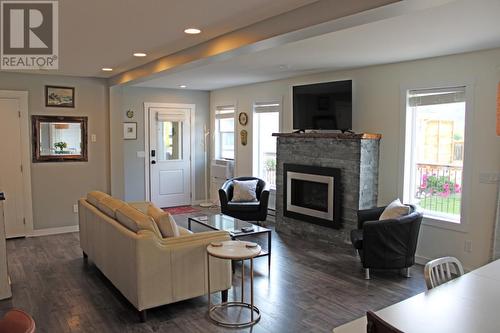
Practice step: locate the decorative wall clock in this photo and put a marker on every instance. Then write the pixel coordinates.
(244, 137)
(243, 118)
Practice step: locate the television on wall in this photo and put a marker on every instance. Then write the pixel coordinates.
(323, 106)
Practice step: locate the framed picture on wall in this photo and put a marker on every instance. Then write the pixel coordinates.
(130, 131)
(59, 97)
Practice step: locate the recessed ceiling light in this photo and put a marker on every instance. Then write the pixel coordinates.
(140, 54)
(182, 86)
(192, 31)
(107, 69)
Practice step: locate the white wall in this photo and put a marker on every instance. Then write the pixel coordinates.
(378, 109)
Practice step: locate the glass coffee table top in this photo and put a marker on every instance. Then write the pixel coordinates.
(229, 224)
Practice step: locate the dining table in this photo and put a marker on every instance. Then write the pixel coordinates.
(467, 304)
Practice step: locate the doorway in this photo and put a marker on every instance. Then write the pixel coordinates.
(15, 178)
(169, 170)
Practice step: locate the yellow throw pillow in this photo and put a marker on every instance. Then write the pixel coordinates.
(95, 196)
(164, 220)
(108, 205)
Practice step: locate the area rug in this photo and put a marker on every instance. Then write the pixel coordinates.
(181, 210)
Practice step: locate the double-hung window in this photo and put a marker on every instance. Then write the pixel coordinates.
(266, 121)
(435, 143)
(224, 132)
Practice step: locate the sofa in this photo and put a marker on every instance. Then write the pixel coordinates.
(148, 269)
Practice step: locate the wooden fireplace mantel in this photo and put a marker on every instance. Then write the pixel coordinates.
(326, 135)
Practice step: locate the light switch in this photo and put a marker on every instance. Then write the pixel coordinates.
(93, 138)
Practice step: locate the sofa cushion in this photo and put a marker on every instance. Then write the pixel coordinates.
(244, 206)
(134, 220)
(95, 196)
(394, 210)
(164, 221)
(245, 190)
(108, 205)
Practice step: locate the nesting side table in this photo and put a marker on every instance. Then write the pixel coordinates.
(234, 250)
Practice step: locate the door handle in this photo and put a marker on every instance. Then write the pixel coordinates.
(153, 162)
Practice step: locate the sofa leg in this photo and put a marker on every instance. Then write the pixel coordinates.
(367, 274)
(143, 316)
(406, 272)
(223, 295)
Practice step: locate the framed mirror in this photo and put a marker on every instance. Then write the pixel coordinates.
(59, 139)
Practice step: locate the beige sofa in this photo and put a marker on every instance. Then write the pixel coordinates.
(147, 269)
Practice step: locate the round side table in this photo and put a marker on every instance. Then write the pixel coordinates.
(234, 250)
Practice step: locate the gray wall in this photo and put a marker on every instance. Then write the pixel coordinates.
(56, 187)
(133, 98)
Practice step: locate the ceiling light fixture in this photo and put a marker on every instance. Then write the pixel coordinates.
(182, 86)
(140, 54)
(107, 69)
(192, 31)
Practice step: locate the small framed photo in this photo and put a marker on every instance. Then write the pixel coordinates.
(130, 131)
(59, 97)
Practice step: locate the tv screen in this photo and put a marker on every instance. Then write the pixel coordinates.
(325, 106)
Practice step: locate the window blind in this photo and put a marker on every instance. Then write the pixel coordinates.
(225, 111)
(436, 96)
(261, 107)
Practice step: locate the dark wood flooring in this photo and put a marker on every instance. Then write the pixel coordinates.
(312, 287)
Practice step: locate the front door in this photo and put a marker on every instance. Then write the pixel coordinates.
(170, 156)
(11, 177)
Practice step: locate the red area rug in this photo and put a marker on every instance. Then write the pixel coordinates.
(181, 210)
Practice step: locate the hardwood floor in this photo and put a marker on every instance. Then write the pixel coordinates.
(312, 287)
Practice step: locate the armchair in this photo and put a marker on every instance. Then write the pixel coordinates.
(386, 244)
(247, 211)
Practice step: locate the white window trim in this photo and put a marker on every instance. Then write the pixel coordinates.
(255, 150)
(405, 154)
(214, 142)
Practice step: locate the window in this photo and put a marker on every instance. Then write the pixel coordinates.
(266, 122)
(435, 144)
(224, 132)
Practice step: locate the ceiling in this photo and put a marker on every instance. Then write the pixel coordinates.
(104, 33)
(450, 28)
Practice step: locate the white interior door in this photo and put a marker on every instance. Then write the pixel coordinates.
(170, 156)
(11, 177)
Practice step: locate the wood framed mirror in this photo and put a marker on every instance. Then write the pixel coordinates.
(59, 139)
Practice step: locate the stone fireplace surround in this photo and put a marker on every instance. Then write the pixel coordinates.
(357, 158)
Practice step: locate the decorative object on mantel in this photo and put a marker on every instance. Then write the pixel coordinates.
(129, 114)
(498, 109)
(130, 131)
(71, 142)
(243, 118)
(60, 97)
(244, 137)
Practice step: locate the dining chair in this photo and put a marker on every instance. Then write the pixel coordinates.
(17, 321)
(375, 324)
(439, 271)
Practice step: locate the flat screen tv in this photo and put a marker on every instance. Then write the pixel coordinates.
(323, 106)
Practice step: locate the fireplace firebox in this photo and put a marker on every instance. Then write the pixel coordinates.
(312, 194)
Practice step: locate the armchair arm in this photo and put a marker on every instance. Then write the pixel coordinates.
(372, 214)
(264, 197)
(224, 195)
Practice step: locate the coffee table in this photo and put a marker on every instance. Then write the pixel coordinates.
(233, 226)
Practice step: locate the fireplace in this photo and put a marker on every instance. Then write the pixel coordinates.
(311, 194)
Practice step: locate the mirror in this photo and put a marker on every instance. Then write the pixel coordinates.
(59, 139)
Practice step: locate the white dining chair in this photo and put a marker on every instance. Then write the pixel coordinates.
(439, 271)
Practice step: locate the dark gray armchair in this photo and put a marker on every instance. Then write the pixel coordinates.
(386, 244)
(247, 211)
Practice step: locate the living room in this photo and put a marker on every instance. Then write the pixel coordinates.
(426, 50)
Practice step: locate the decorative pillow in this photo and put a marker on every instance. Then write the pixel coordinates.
(244, 190)
(394, 210)
(95, 196)
(164, 221)
(108, 205)
(134, 220)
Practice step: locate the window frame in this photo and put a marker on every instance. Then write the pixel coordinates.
(256, 137)
(217, 133)
(407, 136)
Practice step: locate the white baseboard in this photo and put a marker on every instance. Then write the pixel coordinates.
(421, 260)
(54, 231)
